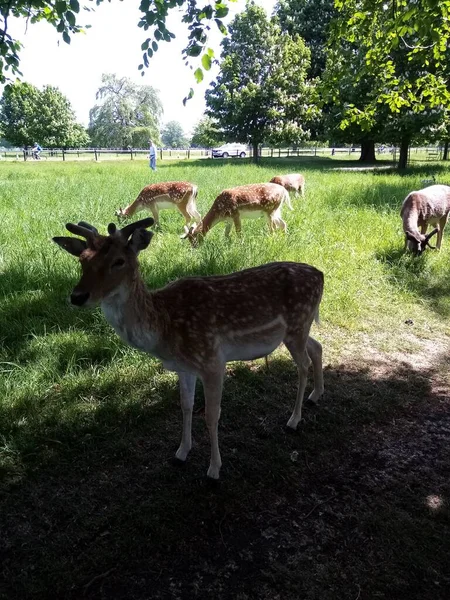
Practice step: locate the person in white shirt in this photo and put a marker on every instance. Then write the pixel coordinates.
(152, 154)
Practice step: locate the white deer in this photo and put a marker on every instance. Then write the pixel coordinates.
(243, 202)
(197, 324)
(429, 206)
(170, 194)
(293, 182)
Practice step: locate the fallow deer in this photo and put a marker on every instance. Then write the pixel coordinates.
(429, 206)
(195, 325)
(242, 202)
(293, 182)
(170, 194)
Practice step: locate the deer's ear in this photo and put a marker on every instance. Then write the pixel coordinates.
(140, 240)
(72, 245)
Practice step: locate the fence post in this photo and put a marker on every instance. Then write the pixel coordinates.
(64, 156)
(95, 152)
(24, 155)
(160, 154)
(315, 150)
(189, 153)
(131, 152)
(288, 153)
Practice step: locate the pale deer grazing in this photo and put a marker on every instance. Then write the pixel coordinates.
(429, 206)
(170, 194)
(242, 202)
(197, 324)
(293, 182)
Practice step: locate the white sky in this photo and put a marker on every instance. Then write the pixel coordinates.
(113, 45)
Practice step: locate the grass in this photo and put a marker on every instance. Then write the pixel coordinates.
(90, 505)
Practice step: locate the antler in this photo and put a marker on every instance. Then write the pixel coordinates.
(88, 226)
(131, 228)
(428, 237)
(83, 229)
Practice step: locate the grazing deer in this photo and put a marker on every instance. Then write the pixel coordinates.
(293, 182)
(170, 194)
(195, 325)
(429, 206)
(242, 202)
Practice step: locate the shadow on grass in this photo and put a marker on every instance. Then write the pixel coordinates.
(92, 507)
(416, 275)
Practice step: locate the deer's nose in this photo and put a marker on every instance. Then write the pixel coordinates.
(79, 298)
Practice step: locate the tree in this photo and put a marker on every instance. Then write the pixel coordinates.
(64, 16)
(310, 19)
(261, 94)
(207, 134)
(127, 115)
(417, 31)
(29, 115)
(172, 135)
(387, 105)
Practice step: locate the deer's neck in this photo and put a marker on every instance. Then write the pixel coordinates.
(209, 220)
(130, 311)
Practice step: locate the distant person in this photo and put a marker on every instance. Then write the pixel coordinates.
(152, 154)
(36, 151)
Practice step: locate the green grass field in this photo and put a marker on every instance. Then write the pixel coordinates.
(355, 505)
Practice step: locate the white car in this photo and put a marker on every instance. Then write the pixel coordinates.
(228, 150)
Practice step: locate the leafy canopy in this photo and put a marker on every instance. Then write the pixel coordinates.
(29, 115)
(416, 31)
(127, 114)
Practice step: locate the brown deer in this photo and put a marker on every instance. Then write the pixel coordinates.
(242, 202)
(171, 194)
(195, 325)
(293, 182)
(429, 206)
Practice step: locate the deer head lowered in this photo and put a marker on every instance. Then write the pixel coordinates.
(197, 324)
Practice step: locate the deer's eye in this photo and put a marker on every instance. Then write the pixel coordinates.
(118, 263)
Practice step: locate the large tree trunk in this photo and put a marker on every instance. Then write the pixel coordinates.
(255, 152)
(403, 159)
(367, 151)
(445, 155)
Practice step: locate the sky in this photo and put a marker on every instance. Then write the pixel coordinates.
(113, 45)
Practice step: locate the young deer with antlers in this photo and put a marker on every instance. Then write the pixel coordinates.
(429, 206)
(171, 194)
(197, 324)
(293, 182)
(242, 202)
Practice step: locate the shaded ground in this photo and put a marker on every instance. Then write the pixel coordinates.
(354, 505)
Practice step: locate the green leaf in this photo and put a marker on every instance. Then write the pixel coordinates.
(75, 5)
(66, 37)
(154, 46)
(206, 62)
(71, 19)
(198, 74)
(60, 27)
(145, 45)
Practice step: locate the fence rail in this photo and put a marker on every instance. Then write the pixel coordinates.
(416, 154)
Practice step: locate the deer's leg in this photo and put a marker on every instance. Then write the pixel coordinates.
(155, 213)
(185, 214)
(271, 223)
(297, 348)
(212, 385)
(237, 223)
(442, 223)
(314, 350)
(228, 229)
(302, 190)
(187, 392)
